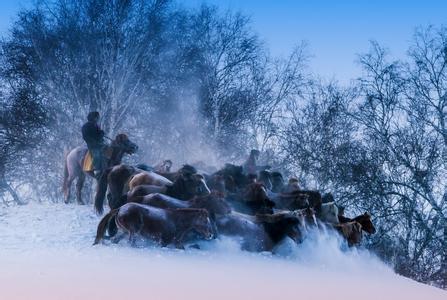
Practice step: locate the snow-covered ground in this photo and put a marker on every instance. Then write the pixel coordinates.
(46, 253)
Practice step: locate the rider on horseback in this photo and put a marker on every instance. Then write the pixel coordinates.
(250, 166)
(93, 135)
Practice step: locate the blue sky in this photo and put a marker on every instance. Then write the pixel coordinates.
(336, 31)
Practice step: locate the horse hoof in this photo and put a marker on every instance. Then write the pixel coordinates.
(194, 246)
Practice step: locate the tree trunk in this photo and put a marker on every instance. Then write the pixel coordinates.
(14, 194)
(443, 269)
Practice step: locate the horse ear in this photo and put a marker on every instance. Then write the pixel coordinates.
(197, 177)
(120, 137)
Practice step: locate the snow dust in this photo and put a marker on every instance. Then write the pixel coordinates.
(46, 253)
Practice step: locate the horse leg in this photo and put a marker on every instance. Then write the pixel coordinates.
(132, 239)
(112, 229)
(67, 188)
(178, 240)
(79, 185)
(115, 239)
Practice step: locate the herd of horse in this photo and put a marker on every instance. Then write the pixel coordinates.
(182, 207)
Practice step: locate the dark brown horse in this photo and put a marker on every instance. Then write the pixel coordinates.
(116, 179)
(306, 218)
(297, 199)
(185, 170)
(234, 177)
(277, 182)
(216, 182)
(252, 200)
(75, 159)
(257, 233)
(164, 226)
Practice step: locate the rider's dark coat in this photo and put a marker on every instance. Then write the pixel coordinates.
(93, 135)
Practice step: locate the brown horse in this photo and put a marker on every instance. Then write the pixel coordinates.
(148, 178)
(350, 231)
(165, 226)
(75, 160)
(183, 188)
(214, 203)
(364, 220)
(117, 179)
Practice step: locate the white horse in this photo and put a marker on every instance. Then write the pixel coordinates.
(74, 162)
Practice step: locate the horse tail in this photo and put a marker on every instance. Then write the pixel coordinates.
(101, 191)
(103, 224)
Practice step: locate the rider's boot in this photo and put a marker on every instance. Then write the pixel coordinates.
(97, 174)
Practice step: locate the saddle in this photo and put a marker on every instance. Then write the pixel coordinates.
(87, 165)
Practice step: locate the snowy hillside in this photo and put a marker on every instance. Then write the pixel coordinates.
(46, 253)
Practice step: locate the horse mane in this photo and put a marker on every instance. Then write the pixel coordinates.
(272, 218)
(191, 212)
(206, 198)
(144, 167)
(276, 174)
(256, 184)
(265, 173)
(120, 137)
(188, 169)
(179, 187)
(327, 198)
(365, 221)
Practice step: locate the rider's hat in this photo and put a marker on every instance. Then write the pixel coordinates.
(93, 115)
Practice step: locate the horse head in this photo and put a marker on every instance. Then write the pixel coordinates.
(187, 170)
(166, 165)
(188, 185)
(257, 193)
(266, 178)
(254, 154)
(202, 224)
(217, 183)
(200, 185)
(277, 182)
(328, 197)
(367, 224)
(123, 142)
